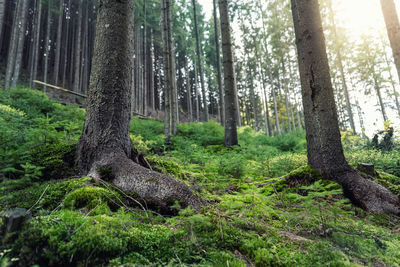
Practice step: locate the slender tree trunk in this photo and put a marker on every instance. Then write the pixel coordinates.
(12, 49)
(393, 83)
(47, 45)
(67, 42)
(196, 88)
(231, 97)
(37, 42)
(200, 61)
(78, 48)
(341, 69)
(393, 30)
(219, 71)
(174, 92)
(324, 148)
(167, 65)
(188, 91)
(58, 44)
(253, 103)
(2, 9)
(21, 42)
(285, 89)
(145, 69)
(151, 74)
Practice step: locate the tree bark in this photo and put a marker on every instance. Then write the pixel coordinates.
(37, 42)
(200, 61)
(12, 49)
(2, 9)
(21, 42)
(105, 143)
(231, 97)
(393, 30)
(324, 148)
(47, 44)
(58, 42)
(78, 48)
(219, 71)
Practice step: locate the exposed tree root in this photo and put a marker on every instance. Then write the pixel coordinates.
(151, 188)
(367, 194)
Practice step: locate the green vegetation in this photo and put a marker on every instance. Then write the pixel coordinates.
(264, 204)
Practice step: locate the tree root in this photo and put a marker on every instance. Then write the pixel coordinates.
(367, 194)
(151, 188)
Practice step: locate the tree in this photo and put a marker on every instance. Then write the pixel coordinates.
(393, 30)
(219, 71)
(231, 97)
(324, 148)
(105, 149)
(200, 61)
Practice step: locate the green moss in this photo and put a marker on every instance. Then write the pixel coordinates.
(24, 194)
(96, 200)
(58, 160)
(106, 173)
(168, 167)
(389, 181)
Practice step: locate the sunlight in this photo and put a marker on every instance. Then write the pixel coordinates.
(360, 16)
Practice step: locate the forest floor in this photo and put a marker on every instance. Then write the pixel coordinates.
(264, 205)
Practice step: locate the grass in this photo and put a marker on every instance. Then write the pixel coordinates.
(254, 215)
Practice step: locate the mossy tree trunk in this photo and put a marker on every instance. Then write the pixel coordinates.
(324, 148)
(105, 142)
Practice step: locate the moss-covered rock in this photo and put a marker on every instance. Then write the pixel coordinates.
(58, 160)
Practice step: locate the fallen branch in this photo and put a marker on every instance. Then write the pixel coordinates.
(60, 88)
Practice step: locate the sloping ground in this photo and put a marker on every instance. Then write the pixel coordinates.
(264, 205)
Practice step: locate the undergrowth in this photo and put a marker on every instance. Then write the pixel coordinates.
(265, 206)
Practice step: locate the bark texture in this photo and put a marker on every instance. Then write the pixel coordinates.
(231, 97)
(105, 141)
(393, 29)
(219, 71)
(324, 148)
(200, 61)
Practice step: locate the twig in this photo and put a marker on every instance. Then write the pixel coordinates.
(38, 199)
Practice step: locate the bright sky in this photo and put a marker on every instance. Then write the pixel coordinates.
(358, 16)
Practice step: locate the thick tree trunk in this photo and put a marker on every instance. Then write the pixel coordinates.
(21, 42)
(231, 97)
(324, 148)
(219, 71)
(105, 143)
(393, 30)
(200, 61)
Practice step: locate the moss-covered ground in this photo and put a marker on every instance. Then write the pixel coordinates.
(264, 205)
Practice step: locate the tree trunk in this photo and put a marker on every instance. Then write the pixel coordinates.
(2, 9)
(78, 48)
(200, 61)
(21, 42)
(188, 91)
(231, 97)
(196, 89)
(341, 69)
(67, 42)
(393, 83)
(12, 49)
(58, 44)
(105, 144)
(47, 45)
(37, 43)
(219, 71)
(285, 89)
(174, 92)
(393, 30)
(324, 148)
